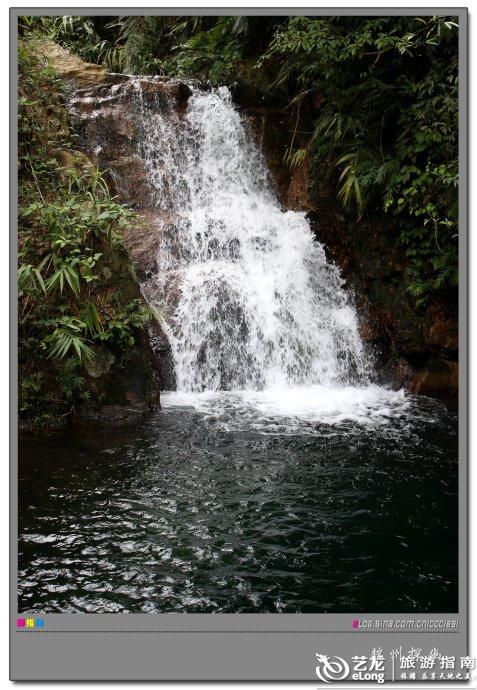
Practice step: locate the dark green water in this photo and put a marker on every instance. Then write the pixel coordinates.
(181, 514)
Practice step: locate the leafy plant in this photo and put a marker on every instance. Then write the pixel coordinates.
(383, 96)
(68, 226)
(67, 337)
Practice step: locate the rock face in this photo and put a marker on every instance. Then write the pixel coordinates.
(106, 120)
(132, 380)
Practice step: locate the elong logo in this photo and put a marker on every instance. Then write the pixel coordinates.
(331, 668)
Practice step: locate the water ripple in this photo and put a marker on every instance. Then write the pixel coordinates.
(179, 515)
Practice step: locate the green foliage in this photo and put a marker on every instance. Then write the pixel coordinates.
(66, 337)
(147, 41)
(71, 384)
(31, 399)
(79, 34)
(208, 48)
(204, 47)
(68, 224)
(384, 98)
(211, 54)
(121, 328)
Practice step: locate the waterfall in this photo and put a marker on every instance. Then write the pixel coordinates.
(250, 304)
(260, 306)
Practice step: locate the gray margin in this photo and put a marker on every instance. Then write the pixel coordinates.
(226, 646)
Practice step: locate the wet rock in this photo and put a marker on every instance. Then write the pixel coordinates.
(161, 355)
(440, 378)
(368, 332)
(101, 363)
(183, 93)
(442, 332)
(297, 195)
(132, 381)
(127, 179)
(143, 242)
(404, 374)
(267, 128)
(108, 126)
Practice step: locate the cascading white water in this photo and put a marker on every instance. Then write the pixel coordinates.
(260, 307)
(257, 318)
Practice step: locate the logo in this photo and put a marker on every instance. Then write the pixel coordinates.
(331, 668)
(416, 664)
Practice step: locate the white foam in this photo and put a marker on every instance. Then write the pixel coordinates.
(296, 408)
